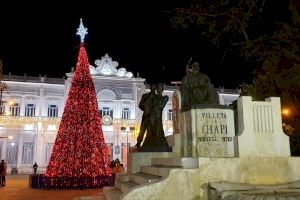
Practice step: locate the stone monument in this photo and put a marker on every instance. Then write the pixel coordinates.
(206, 128)
(218, 152)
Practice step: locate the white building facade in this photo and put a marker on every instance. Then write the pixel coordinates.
(33, 106)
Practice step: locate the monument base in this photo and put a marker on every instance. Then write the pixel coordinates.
(208, 132)
(151, 149)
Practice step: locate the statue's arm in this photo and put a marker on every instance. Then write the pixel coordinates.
(165, 100)
(142, 102)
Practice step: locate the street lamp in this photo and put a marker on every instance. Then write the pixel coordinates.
(285, 112)
(127, 130)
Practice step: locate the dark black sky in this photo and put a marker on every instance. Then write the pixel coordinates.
(40, 38)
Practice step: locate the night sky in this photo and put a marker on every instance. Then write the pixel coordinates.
(40, 38)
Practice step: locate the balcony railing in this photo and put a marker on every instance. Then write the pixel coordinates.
(33, 79)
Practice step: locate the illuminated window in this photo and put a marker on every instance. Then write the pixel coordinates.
(126, 113)
(27, 156)
(106, 111)
(2, 109)
(12, 153)
(15, 109)
(30, 110)
(52, 111)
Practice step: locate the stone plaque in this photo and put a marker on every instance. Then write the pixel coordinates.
(215, 133)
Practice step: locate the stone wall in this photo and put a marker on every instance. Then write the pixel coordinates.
(260, 128)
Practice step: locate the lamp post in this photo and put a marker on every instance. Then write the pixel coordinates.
(127, 130)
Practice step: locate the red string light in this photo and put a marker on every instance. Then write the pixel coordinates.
(79, 149)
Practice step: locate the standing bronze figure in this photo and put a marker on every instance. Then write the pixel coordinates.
(152, 122)
(145, 105)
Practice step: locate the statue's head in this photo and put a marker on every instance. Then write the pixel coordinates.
(159, 88)
(152, 87)
(195, 67)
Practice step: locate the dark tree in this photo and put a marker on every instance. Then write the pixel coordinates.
(264, 36)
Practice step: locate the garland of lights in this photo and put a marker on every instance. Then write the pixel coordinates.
(20, 121)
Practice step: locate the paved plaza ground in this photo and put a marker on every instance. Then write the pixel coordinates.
(17, 189)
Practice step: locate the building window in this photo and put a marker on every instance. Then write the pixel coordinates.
(1, 144)
(170, 114)
(49, 149)
(2, 109)
(106, 111)
(27, 156)
(52, 111)
(30, 110)
(12, 153)
(15, 109)
(126, 113)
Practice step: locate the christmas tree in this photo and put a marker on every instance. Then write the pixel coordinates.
(79, 149)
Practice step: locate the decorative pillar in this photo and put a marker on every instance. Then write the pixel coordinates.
(4, 149)
(22, 106)
(40, 103)
(39, 147)
(61, 107)
(118, 109)
(20, 148)
(132, 110)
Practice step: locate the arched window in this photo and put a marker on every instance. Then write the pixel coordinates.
(106, 99)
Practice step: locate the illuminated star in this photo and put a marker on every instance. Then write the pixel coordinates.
(81, 31)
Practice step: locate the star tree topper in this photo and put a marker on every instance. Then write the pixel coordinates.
(81, 31)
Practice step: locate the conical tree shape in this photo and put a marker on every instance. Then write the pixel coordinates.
(79, 149)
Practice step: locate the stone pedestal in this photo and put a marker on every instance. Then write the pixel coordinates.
(207, 132)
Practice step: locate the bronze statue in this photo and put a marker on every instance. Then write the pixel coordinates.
(196, 88)
(145, 105)
(155, 136)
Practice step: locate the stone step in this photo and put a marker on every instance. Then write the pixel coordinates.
(156, 170)
(142, 178)
(98, 197)
(118, 184)
(122, 177)
(127, 186)
(95, 197)
(112, 193)
(185, 162)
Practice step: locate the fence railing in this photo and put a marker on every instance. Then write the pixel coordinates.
(39, 181)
